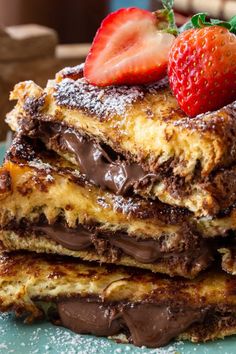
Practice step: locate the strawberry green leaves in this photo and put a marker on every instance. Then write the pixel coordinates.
(199, 21)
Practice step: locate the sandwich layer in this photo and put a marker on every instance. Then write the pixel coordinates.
(104, 168)
(122, 250)
(28, 164)
(47, 206)
(140, 135)
(148, 309)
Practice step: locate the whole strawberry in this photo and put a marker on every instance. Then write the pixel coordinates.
(202, 66)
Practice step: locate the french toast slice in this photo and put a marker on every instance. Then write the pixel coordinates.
(148, 309)
(47, 206)
(145, 142)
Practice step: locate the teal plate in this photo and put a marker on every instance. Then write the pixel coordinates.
(44, 338)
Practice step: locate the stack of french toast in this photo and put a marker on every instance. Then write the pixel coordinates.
(118, 211)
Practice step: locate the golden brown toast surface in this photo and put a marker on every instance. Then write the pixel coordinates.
(146, 125)
(49, 277)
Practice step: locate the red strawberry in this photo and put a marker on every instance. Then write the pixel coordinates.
(202, 69)
(128, 49)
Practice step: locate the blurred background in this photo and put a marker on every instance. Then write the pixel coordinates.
(77, 20)
(39, 37)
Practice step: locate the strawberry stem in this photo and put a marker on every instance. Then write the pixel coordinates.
(199, 21)
(166, 17)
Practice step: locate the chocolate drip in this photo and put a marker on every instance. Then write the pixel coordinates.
(155, 326)
(151, 325)
(105, 170)
(88, 318)
(99, 168)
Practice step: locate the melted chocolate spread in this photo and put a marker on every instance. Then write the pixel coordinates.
(103, 168)
(151, 325)
(81, 238)
(73, 239)
(144, 251)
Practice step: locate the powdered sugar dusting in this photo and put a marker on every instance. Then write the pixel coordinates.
(99, 101)
(102, 102)
(40, 165)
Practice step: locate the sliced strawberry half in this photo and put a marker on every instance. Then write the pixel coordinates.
(128, 49)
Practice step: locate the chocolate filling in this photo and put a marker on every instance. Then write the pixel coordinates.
(151, 325)
(143, 251)
(187, 249)
(101, 165)
(73, 239)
